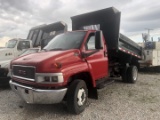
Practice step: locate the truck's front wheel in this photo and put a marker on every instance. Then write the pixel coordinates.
(77, 96)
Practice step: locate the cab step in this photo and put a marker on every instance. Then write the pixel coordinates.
(103, 83)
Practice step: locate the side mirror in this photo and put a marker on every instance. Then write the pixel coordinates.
(98, 40)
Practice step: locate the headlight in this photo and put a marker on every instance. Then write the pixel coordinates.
(49, 78)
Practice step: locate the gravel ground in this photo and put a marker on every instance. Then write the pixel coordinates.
(117, 101)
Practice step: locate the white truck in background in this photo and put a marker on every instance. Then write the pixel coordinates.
(151, 54)
(13, 49)
(38, 36)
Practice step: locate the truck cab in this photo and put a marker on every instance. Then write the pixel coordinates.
(13, 49)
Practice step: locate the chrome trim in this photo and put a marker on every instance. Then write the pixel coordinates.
(23, 78)
(13, 83)
(50, 74)
(38, 96)
(24, 66)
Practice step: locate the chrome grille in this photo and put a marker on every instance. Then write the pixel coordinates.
(24, 72)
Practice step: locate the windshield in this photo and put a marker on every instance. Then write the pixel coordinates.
(29, 51)
(11, 43)
(69, 40)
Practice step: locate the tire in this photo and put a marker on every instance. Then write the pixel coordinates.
(132, 74)
(124, 74)
(77, 96)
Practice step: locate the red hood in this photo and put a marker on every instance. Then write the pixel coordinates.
(43, 61)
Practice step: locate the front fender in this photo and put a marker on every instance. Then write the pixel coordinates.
(74, 69)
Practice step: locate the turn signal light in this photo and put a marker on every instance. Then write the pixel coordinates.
(47, 79)
(57, 65)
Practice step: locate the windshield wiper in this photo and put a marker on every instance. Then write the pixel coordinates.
(56, 49)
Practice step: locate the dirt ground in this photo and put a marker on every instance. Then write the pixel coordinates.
(117, 101)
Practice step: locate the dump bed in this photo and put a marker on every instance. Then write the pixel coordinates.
(46, 32)
(107, 20)
(128, 46)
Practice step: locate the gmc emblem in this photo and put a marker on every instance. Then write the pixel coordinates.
(22, 72)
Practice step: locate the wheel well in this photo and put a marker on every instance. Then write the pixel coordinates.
(92, 91)
(83, 76)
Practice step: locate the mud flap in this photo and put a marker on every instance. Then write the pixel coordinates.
(92, 93)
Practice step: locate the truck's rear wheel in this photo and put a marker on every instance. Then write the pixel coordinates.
(132, 74)
(77, 96)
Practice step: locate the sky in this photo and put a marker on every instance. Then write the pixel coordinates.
(17, 17)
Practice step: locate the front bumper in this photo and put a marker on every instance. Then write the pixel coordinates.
(38, 96)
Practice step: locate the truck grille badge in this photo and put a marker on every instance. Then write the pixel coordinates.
(22, 72)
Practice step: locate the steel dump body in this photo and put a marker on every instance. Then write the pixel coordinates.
(108, 21)
(129, 46)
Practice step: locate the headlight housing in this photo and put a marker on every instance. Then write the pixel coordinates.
(49, 78)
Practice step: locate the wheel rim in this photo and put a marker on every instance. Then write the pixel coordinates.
(134, 72)
(81, 97)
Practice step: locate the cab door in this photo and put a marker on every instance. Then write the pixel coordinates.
(97, 59)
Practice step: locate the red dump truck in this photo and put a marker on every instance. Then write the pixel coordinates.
(75, 64)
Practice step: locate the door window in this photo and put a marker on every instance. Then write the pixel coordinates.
(23, 45)
(91, 42)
